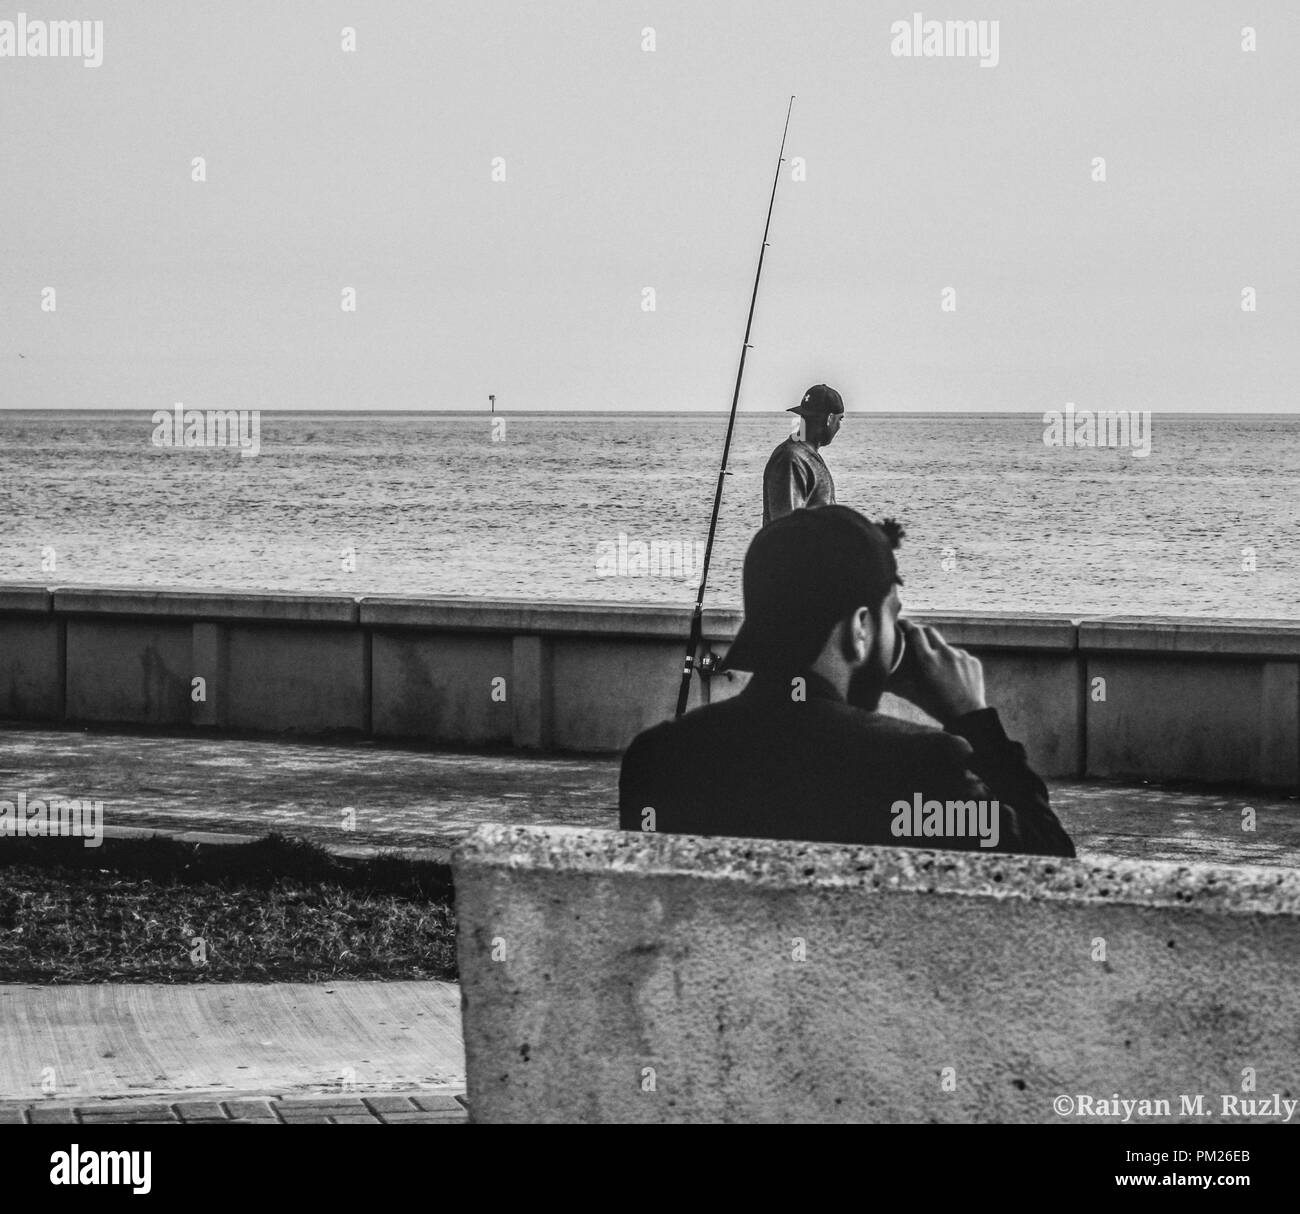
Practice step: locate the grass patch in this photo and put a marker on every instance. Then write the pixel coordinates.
(276, 910)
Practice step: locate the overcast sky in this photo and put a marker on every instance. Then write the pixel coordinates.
(628, 169)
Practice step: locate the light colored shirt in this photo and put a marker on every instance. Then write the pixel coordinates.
(796, 476)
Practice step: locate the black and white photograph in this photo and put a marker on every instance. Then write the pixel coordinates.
(633, 562)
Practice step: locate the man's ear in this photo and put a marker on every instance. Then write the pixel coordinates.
(859, 635)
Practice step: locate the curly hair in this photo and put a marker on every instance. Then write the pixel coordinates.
(893, 531)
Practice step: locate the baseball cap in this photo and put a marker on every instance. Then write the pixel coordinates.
(817, 400)
(803, 573)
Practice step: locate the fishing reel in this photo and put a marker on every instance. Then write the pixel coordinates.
(708, 663)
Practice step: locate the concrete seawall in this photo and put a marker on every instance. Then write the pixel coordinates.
(1130, 698)
(612, 976)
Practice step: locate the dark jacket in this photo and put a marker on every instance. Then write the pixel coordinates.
(762, 765)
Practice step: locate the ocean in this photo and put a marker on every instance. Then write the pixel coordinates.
(555, 507)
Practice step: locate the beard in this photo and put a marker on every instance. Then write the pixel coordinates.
(867, 685)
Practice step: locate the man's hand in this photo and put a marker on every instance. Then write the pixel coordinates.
(939, 679)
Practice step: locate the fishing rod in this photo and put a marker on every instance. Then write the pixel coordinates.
(697, 617)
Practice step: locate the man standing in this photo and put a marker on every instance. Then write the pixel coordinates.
(803, 752)
(796, 475)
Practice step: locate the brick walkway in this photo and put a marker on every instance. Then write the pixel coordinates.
(390, 1109)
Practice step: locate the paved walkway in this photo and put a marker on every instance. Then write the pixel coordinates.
(64, 1045)
(397, 798)
(426, 800)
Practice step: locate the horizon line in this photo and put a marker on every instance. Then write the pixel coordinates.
(413, 412)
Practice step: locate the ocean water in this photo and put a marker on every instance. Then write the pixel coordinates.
(445, 504)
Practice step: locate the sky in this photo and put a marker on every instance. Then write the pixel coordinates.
(627, 168)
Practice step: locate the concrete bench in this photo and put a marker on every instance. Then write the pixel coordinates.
(609, 976)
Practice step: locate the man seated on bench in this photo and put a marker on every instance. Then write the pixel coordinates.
(803, 753)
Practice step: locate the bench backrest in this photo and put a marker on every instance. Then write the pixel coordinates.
(612, 976)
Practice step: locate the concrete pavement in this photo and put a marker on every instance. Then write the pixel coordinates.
(62, 1045)
(359, 798)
